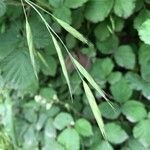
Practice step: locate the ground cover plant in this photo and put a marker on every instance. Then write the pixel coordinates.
(48, 101)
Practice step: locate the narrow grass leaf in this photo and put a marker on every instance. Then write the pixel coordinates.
(31, 46)
(42, 59)
(83, 71)
(94, 107)
(58, 50)
(65, 25)
(62, 62)
(72, 31)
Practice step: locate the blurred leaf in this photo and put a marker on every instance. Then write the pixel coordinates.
(115, 134)
(16, 70)
(41, 121)
(70, 41)
(41, 38)
(121, 91)
(142, 17)
(63, 120)
(65, 136)
(98, 10)
(134, 80)
(9, 41)
(102, 68)
(101, 31)
(56, 3)
(124, 8)
(74, 4)
(30, 140)
(83, 127)
(49, 131)
(2, 8)
(53, 145)
(48, 93)
(108, 112)
(64, 14)
(142, 133)
(144, 32)
(134, 111)
(114, 77)
(104, 145)
(48, 65)
(109, 45)
(125, 57)
(144, 60)
(136, 145)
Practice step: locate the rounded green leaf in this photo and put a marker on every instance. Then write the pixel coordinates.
(145, 71)
(121, 91)
(142, 17)
(109, 45)
(114, 77)
(134, 111)
(83, 127)
(115, 134)
(144, 32)
(144, 60)
(98, 10)
(56, 3)
(54, 145)
(142, 133)
(101, 31)
(125, 57)
(108, 112)
(123, 8)
(134, 144)
(134, 80)
(64, 14)
(102, 68)
(48, 93)
(74, 3)
(49, 130)
(104, 145)
(62, 120)
(70, 139)
(144, 56)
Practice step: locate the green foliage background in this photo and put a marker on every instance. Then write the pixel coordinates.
(38, 114)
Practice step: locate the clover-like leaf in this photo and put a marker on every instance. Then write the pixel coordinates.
(144, 32)
(108, 112)
(121, 91)
(98, 10)
(134, 111)
(125, 57)
(70, 139)
(62, 120)
(83, 127)
(74, 3)
(123, 8)
(142, 133)
(115, 134)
